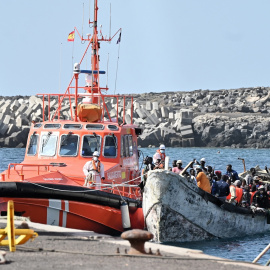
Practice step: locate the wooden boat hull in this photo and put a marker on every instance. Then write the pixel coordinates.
(95, 211)
(177, 210)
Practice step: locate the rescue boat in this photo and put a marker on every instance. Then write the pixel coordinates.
(48, 186)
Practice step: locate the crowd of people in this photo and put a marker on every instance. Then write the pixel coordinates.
(248, 192)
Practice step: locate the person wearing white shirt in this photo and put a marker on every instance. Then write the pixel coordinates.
(94, 171)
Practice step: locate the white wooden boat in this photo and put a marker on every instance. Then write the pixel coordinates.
(177, 210)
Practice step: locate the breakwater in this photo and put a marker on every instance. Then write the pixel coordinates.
(238, 118)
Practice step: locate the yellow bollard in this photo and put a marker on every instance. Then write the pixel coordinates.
(10, 232)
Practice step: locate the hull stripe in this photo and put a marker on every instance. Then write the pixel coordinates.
(66, 210)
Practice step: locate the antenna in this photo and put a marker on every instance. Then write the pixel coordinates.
(82, 19)
(89, 12)
(110, 22)
(107, 70)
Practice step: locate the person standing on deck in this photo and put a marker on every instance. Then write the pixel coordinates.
(232, 174)
(202, 164)
(202, 180)
(94, 171)
(161, 152)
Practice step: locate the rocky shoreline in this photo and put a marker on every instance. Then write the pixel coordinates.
(238, 118)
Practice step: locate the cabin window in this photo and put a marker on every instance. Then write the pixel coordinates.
(91, 143)
(113, 127)
(130, 145)
(126, 146)
(110, 146)
(48, 144)
(94, 126)
(37, 125)
(72, 126)
(32, 146)
(54, 126)
(69, 145)
(123, 149)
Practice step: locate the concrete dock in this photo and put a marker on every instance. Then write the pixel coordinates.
(62, 248)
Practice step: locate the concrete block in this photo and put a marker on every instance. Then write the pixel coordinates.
(185, 127)
(128, 119)
(15, 105)
(156, 113)
(188, 133)
(36, 107)
(136, 105)
(141, 113)
(28, 113)
(164, 112)
(2, 102)
(19, 121)
(155, 106)
(149, 121)
(3, 129)
(6, 106)
(148, 105)
(6, 119)
(65, 108)
(155, 119)
(171, 116)
(11, 129)
(33, 100)
(113, 113)
(22, 109)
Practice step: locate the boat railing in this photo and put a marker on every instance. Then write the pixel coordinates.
(21, 168)
(123, 104)
(130, 189)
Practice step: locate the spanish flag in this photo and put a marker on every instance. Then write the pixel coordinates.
(71, 36)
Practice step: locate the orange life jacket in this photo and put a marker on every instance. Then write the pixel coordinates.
(252, 195)
(239, 194)
(229, 196)
(162, 155)
(96, 168)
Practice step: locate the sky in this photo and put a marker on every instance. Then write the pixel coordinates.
(175, 45)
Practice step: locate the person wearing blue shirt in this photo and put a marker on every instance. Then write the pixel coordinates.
(223, 187)
(232, 174)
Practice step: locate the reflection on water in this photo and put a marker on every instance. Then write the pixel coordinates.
(244, 249)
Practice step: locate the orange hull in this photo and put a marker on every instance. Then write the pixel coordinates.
(76, 215)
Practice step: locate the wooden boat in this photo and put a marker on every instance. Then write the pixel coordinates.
(176, 210)
(48, 186)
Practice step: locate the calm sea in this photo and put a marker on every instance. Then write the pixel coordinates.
(245, 249)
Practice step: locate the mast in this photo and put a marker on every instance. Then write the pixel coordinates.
(95, 88)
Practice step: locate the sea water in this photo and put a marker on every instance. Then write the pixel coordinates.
(244, 249)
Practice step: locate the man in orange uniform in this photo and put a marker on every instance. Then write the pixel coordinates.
(202, 180)
(94, 171)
